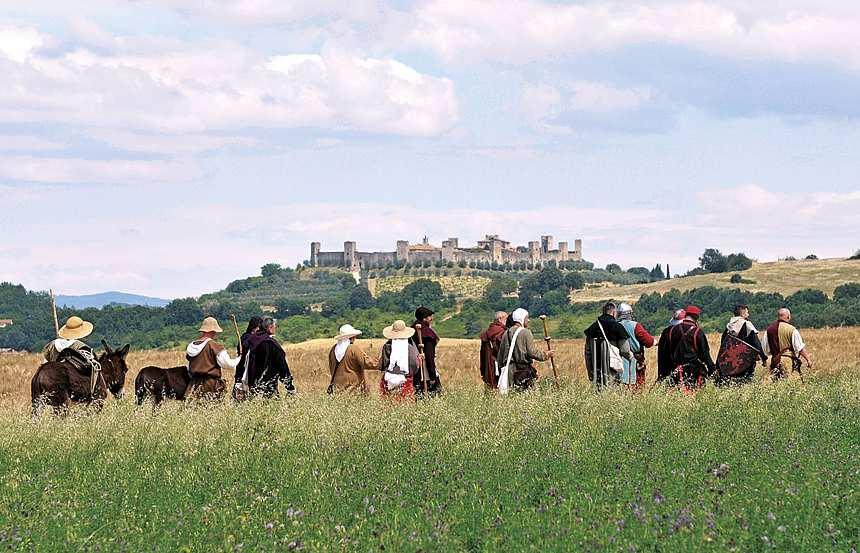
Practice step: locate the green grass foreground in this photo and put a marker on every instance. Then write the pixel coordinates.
(764, 467)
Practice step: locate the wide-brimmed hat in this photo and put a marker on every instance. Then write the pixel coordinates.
(398, 330)
(75, 328)
(210, 325)
(347, 331)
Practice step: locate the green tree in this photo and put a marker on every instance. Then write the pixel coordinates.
(184, 312)
(270, 270)
(361, 298)
(574, 281)
(847, 291)
(738, 262)
(288, 307)
(657, 272)
(713, 261)
(614, 268)
(807, 296)
(421, 292)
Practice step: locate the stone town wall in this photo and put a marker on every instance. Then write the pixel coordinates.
(494, 250)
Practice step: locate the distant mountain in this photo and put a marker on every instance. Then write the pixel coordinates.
(107, 298)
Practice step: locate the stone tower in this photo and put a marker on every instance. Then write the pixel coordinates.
(546, 244)
(562, 251)
(350, 259)
(447, 251)
(577, 256)
(315, 254)
(402, 253)
(534, 252)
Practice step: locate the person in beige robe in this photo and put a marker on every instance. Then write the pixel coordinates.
(348, 363)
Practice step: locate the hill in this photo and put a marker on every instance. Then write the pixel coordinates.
(109, 298)
(461, 287)
(782, 277)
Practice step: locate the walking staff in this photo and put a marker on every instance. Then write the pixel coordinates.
(238, 334)
(425, 376)
(54, 310)
(549, 348)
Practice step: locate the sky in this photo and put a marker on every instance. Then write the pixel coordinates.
(167, 147)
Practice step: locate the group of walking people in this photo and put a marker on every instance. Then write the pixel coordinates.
(615, 347)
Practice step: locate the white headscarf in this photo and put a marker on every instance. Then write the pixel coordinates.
(399, 359)
(340, 349)
(520, 315)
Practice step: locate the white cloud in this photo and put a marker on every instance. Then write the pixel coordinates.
(18, 43)
(575, 104)
(24, 143)
(772, 224)
(67, 170)
(273, 12)
(185, 144)
(171, 87)
(599, 97)
(534, 30)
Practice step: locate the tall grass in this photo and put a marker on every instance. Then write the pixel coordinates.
(750, 469)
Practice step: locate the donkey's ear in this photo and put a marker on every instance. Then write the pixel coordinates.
(123, 351)
(107, 347)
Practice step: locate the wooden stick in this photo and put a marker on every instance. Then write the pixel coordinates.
(549, 348)
(425, 376)
(238, 334)
(54, 310)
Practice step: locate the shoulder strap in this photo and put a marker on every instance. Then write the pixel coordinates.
(511, 346)
(695, 331)
(334, 372)
(602, 331)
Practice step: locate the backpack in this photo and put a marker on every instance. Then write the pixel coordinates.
(686, 350)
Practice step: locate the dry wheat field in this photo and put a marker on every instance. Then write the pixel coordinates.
(762, 467)
(835, 350)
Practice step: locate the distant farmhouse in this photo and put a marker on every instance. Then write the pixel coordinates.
(490, 250)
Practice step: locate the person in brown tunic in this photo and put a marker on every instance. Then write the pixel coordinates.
(347, 363)
(491, 339)
(206, 358)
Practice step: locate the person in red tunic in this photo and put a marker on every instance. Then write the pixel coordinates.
(490, 341)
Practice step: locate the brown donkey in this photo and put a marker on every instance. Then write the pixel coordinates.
(57, 385)
(161, 384)
(175, 383)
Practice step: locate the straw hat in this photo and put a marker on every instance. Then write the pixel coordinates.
(398, 330)
(210, 325)
(75, 328)
(347, 331)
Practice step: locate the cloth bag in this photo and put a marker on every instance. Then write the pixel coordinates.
(616, 362)
(503, 373)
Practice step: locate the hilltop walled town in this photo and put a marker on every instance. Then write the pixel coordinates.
(492, 249)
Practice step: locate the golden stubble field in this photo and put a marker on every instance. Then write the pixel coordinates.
(834, 350)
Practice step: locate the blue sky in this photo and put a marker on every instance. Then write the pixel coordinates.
(167, 147)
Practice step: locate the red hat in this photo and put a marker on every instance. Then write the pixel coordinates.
(693, 310)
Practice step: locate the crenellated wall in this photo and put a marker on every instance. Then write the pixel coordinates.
(492, 249)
